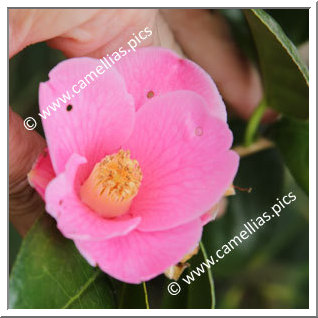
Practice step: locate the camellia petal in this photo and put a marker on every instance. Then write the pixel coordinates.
(140, 256)
(42, 173)
(154, 71)
(184, 157)
(93, 123)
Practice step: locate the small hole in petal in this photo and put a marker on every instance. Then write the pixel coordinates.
(60, 202)
(69, 108)
(199, 131)
(150, 94)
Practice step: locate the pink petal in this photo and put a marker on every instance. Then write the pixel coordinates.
(184, 158)
(209, 216)
(42, 173)
(161, 71)
(215, 212)
(74, 219)
(101, 119)
(140, 256)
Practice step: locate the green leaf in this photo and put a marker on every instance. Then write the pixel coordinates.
(292, 138)
(50, 273)
(285, 76)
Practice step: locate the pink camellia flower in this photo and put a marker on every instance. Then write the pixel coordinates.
(136, 161)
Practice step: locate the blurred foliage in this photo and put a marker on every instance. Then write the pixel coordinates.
(270, 270)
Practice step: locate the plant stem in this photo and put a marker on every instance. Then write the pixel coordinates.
(253, 123)
(146, 295)
(211, 281)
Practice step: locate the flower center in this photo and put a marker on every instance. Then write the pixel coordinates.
(112, 184)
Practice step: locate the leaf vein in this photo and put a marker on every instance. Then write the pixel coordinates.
(82, 289)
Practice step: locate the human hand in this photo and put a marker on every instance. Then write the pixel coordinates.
(201, 36)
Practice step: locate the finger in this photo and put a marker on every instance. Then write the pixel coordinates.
(205, 38)
(24, 147)
(28, 26)
(111, 29)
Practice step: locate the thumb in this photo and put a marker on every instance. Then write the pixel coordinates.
(28, 26)
(24, 147)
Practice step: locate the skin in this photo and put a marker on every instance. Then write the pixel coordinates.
(199, 35)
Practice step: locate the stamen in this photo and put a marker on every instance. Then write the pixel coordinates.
(112, 184)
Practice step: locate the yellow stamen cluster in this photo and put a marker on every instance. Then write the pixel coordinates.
(118, 176)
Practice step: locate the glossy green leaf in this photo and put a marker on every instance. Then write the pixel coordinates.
(292, 138)
(50, 273)
(285, 76)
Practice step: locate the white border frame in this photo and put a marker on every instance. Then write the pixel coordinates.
(164, 312)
